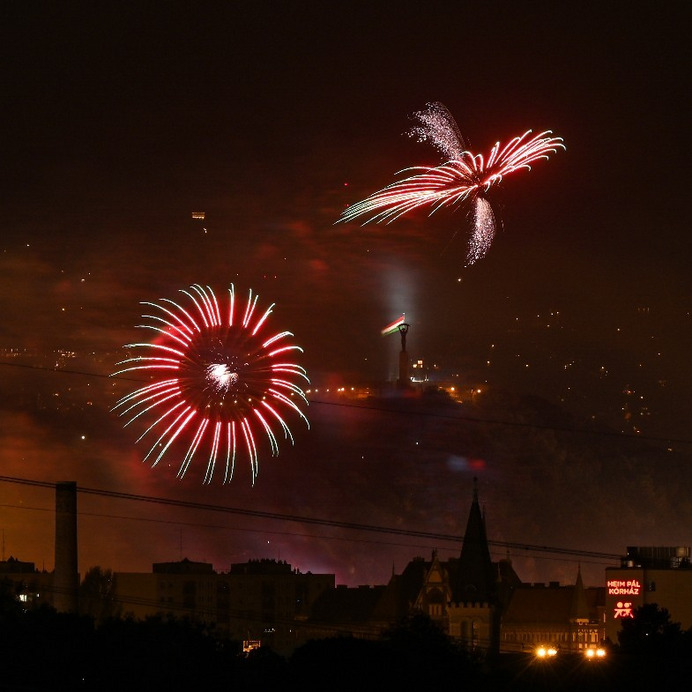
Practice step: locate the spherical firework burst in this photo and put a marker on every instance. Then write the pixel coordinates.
(219, 380)
(464, 177)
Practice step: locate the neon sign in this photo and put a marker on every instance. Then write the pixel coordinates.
(624, 587)
(623, 610)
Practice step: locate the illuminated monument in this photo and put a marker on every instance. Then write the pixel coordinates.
(404, 380)
(400, 325)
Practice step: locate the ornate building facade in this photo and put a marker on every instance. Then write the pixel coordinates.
(569, 618)
(466, 596)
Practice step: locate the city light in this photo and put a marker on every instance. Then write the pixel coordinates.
(595, 653)
(545, 651)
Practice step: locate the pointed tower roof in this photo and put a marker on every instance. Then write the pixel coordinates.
(475, 579)
(579, 608)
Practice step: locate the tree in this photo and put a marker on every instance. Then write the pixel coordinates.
(655, 650)
(421, 653)
(9, 605)
(97, 597)
(650, 630)
(339, 664)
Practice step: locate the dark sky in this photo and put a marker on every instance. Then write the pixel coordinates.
(119, 120)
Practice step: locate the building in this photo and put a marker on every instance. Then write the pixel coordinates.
(344, 611)
(269, 599)
(569, 618)
(465, 596)
(261, 600)
(480, 588)
(480, 603)
(60, 588)
(660, 575)
(183, 589)
(29, 586)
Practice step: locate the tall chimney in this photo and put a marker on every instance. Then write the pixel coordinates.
(66, 576)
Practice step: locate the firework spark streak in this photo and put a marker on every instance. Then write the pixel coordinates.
(217, 380)
(463, 178)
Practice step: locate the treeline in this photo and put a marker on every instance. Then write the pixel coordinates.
(44, 650)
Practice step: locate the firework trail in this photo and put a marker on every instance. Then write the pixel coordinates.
(463, 178)
(217, 380)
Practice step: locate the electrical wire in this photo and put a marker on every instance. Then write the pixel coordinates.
(317, 521)
(422, 413)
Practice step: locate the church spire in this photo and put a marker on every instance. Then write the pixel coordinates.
(475, 580)
(579, 608)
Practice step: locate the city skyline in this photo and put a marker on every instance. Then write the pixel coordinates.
(117, 126)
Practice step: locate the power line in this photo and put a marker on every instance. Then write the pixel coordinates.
(515, 424)
(223, 527)
(427, 414)
(317, 521)
(65, 371)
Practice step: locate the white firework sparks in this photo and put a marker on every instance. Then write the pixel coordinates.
(483, 230)
(439, 128)
(463, 178)
(221, 377)
(217, 379)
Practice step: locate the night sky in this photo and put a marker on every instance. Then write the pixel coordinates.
(120, 120)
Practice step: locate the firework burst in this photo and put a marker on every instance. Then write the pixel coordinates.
(464, 177)
(217, 380)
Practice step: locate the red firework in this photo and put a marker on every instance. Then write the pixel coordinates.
(219, 379)
(463, 177)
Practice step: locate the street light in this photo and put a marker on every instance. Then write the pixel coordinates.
(545, 651)
(595, 653)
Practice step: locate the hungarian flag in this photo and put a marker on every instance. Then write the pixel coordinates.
(394, 326)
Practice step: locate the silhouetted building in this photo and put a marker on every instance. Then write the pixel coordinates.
(660, 575)
(465, 596)
(401, 595)
(570, 618)
(476, 605)
(184, 566)
(344, 611)
(29, 586)
(14, 566)
(260, 600)
(183, 589)
(269, 599)
(484, 605)
(436, 594)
